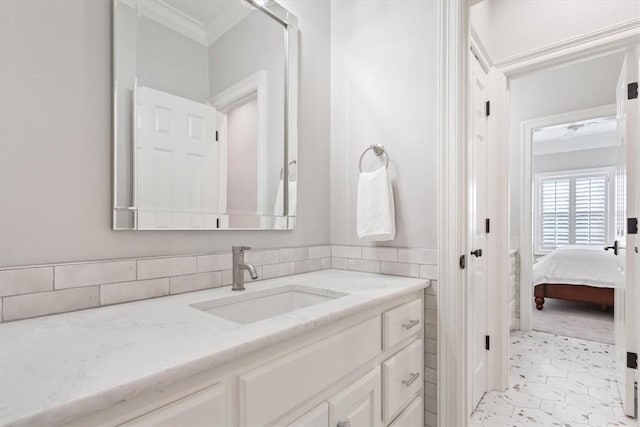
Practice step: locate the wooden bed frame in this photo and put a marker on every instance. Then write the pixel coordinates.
(582, 293)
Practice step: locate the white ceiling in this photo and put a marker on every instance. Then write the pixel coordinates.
(575, 136)
(204, 11)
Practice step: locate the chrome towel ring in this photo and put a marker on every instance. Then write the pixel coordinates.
(378, 150)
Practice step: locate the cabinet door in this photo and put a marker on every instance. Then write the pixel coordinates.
(205, 408)
(317, 417)
(359, 404)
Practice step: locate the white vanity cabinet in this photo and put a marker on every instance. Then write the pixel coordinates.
(359, 404)
(203, 408)
(365, 370)
(317, 417)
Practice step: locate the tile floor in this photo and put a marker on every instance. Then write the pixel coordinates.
(555, 381)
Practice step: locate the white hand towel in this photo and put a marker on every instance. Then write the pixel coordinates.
(280, 221)
(375, 211)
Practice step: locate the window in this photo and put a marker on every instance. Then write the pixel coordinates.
(572, 209)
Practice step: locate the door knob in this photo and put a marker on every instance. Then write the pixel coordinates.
(614, 247)
(477, 253)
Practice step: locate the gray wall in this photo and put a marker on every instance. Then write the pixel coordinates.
(384, 91)
(573, 160)
(171, 62)
(55, 139)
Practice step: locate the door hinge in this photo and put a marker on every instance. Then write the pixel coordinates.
(487, 108)
(487, 225)
(463, 262)
(487, 342)
(632, 90)
(632, 225)
(216, 136)
(632, 360)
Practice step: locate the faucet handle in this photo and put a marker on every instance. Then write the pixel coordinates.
(239, 249)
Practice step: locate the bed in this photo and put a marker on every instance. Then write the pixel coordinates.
(576, 273)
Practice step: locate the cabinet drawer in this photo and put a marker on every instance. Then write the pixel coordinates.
(317, 417)
(205, 408)
(402, 377)
(271, 390)
(410, 417)
(402, 322)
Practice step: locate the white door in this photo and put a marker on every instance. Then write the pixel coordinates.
(624, 245)
(478, 179)
(317, 417)
(359, 405)
(177, 162)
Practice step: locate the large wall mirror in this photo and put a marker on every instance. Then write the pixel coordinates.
(205, 115)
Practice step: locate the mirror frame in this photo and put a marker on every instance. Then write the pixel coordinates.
(291, 48)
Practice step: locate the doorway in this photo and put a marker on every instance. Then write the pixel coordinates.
(556, 204)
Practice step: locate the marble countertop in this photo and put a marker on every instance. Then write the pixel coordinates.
(57, 368)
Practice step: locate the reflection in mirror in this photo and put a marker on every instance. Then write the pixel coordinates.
(205, 115)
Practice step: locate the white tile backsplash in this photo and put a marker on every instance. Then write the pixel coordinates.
(399, 269)
(50, 302)
(346, 251)
(128, 280)
(429, 272)
(131, 291)
(294, 254)
(325, 263)
(320, 252)
(368, 266)
(339, 263)
(278, 270)
(262, 257)
(98, 273)
(165, 267)
(308, 265)
(380, 254)
(214, 262)
(195, 282)
(418, 256)
(26, 280)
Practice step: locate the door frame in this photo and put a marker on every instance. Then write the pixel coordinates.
(526, 179)
(254, 86)
(454, 42)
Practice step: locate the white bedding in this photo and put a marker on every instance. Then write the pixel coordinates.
(577, 265)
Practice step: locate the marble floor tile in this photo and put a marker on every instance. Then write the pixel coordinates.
(555, 381)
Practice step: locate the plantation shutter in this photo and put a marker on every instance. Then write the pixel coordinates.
(590, 210)
(555, 203)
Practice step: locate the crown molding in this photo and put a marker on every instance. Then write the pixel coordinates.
(605, 39)
(169, 16)
(205, 34)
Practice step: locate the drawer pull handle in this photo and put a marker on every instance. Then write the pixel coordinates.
(412, 378)
(344, 424)
(411, 324)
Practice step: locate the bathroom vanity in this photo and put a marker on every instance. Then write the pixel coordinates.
(329, 348)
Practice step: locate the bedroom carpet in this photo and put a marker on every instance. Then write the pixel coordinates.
(576, 320)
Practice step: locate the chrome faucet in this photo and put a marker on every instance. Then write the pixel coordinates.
(239, 265)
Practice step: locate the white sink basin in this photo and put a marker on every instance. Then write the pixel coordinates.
(255, 306)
